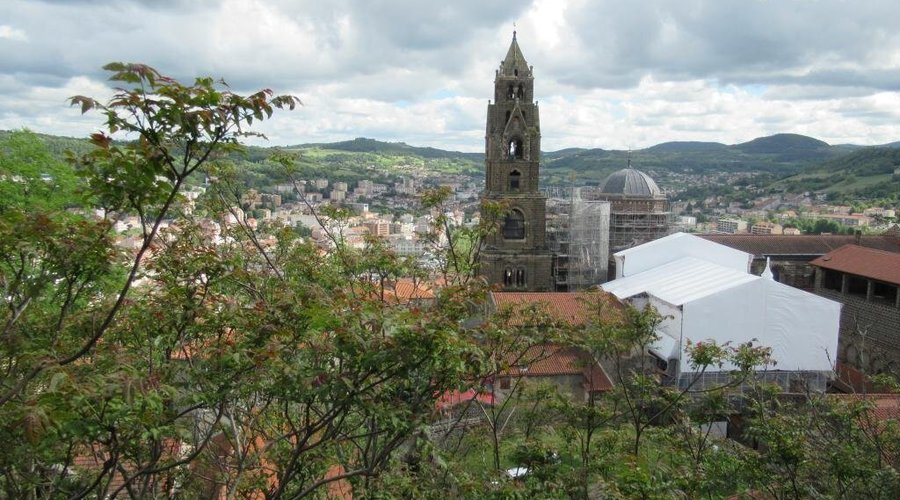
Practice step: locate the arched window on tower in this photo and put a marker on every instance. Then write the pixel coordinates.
(515, 180)
(520, 92)
(508, 277)
(514, 225)
(511, 93)
(515, 151)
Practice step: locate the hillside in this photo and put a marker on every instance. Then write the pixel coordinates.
(686, 146)
(864, 173)
(781, 143)
(796, 163)
(364, 145)
(779, 155)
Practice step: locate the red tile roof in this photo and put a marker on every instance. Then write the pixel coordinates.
(812, 244)
(875, 264)
(849, 379)
(340, 488)
(553, 360)
(573, 308)
(884, 407)
(405, 290)
(453, 398)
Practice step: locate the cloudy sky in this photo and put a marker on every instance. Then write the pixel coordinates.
(610, 74)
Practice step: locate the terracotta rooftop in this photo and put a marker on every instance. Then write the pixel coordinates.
(552, 360)
(405, 290)
(849, 379)
(811, 244)
(875, 264)
(884, 407)
(573, 308)
(452, 398)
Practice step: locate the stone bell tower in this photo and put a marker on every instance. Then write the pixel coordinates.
(515, 257)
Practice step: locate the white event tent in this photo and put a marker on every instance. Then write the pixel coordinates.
(706, 292)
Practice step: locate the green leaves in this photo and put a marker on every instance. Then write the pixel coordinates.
(89, 366)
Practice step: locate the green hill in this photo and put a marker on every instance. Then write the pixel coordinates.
(802, 163)
(786, 148)
(864, 173)
(364, 145)
(33, 175)
(782, 143)
(687, 146)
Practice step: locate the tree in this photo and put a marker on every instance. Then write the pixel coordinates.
(234, 363)
(31, 178)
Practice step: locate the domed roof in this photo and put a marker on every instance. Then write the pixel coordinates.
(630, 182)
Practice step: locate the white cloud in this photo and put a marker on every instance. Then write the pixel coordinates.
(608, 74)
(9, 33)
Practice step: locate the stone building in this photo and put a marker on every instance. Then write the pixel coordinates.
(867, 282)
(572, 370)
(639, 211)
(790, 255)
(515, 257)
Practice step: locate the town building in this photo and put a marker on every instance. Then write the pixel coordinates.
(867, 282)
(572, 370)
(765, 227)
(639, 211)
(731, 226)
(515, 257)
(790, 255)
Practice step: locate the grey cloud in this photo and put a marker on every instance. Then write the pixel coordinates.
(729, 40)
(796, 92)
(405, 51)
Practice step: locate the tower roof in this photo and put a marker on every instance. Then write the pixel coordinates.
(514, 59)
(630, 182)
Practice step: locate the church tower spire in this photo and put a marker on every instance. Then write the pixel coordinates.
(516, 256)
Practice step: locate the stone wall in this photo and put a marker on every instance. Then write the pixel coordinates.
(870, 333)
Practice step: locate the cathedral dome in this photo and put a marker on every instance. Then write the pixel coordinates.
(630, 182)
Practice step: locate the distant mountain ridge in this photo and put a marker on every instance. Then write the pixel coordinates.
(800, 162)
(685, 146)
(781, 143)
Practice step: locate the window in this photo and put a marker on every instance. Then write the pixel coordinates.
(508, 114)
(507, 277)
(520, 277)
(514, 226)
(515, 178)
(514, 151)
(833, 280)
(884, 293)
(857, 285)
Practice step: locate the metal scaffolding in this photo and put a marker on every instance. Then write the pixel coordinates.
(578, 234)
(629, 229)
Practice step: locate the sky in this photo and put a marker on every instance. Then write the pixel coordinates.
(611, 74)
